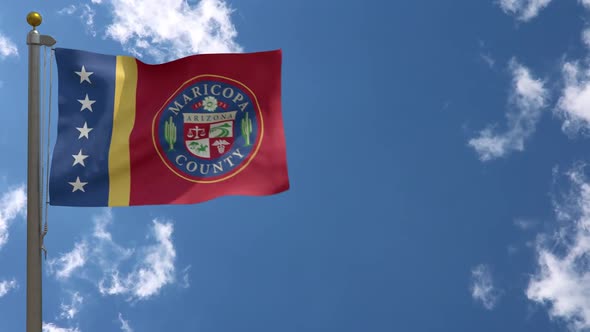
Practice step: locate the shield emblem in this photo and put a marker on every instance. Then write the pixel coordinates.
(209, 140)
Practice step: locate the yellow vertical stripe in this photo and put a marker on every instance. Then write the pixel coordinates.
(123, 120)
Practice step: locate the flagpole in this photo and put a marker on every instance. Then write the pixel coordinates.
(34, 292)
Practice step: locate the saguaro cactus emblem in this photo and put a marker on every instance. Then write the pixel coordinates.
(247, 129)
(170, 133)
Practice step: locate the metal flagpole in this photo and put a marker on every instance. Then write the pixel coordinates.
(34, 303)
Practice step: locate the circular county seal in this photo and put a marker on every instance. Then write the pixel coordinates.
(209, 130)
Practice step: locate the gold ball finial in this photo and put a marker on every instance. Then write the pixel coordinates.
(34, 19)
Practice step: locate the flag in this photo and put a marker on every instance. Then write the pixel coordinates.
(180, 132)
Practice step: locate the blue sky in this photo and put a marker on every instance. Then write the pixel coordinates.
(438, 162)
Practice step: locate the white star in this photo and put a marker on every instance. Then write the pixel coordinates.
(79, 158)
(78, 185)
(84, 131)
(86, 103)
(84, 75)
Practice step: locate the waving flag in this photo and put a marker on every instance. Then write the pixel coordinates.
(181, 132)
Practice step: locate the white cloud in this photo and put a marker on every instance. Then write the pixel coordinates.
(107, 253)
(152, 273)
(528, 97)
(6, 286)
(185, 277)
(12, 204)
(153, 269)
(7, 47)
(525, 224)
(482, 287)
(69, 311)
(115, 285)
(563, 279)
(85, 13)
(574, 104)
(487, 58)
(100, 226)
(489, 145)
(69, 10)
(158, 266)
(65, 265)
(167, 29)
(511, 249)
(586, 37)
(124, 324)
(51, 327)
(524, 10)
(99, 249)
